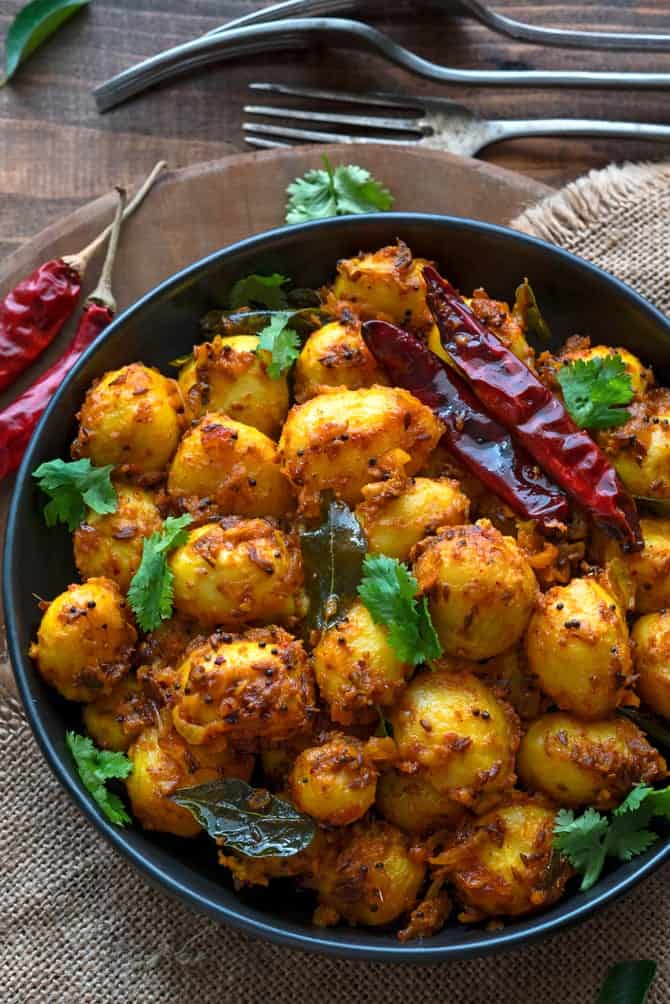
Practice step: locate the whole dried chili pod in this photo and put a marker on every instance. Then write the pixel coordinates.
(18, 420)
(483, 445)
(33, 313)
(537, 418)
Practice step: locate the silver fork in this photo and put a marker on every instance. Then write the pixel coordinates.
(438, 123)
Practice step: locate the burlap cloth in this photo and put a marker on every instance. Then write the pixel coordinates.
(78, 925)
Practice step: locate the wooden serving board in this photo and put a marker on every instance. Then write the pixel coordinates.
(200, 209)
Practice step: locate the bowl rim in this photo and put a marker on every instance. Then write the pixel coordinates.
(241, 918)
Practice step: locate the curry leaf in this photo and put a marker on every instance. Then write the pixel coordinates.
(262, 290)
(526, 307)
(33, 25)
(248, 820)
(628, 982)
(652, 726)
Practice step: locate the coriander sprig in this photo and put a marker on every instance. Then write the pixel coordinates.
(95, 768)
(151, 587)
(596, 391)
(339, 191)
(281, 341)
(72, 486)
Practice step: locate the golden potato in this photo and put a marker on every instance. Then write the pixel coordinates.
(131, 418)
(508, 325)
(449, 724)
(335, 783)
(241, 572)
(650, 568)
(580, 348)
(480, 588)
(348, 438)
(162, 763)
(651, 650)
(356, 668)
(225, 468)
(85, 640)
(229, 374)
(335, 356)
(412, 803)
(111, 544)
(586, 763)
(640, 449)
(253, 688)
(397, 514)
(115, 720)
(160, 653)
(502, 864)
(578, 648)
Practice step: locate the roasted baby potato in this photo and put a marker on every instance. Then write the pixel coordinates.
(578, 648)
(650, 568)
(131, 418)
(336, 782)
(242, 572)
(651, 649)
(335, 356)
(85, 640)
(229, 374)
(480, 588)
(412, 803)
(640, 449)
(115, 720)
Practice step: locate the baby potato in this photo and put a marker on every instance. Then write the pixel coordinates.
(158, 655)
(228, 374)
(386, 284)
(451, 726)
(115, 720)
(85, 640)
(244, 572)
(578, 648)
(335, 356)
(586, 763)
(397, 514)
(650, 568)
(110, 544)
(356, 668)
(225, 468)
(413, 804)
(162, 763)
(348, 438)
(334, 783)
(580, 348)
(503, 322)
(480, 588)
(373, 879)
(502, 863)
(640, 449)
(253, 689)
(651, 649)
(131, 418)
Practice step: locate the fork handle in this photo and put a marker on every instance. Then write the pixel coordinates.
(501, 129)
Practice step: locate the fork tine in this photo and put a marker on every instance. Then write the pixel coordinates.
(266, 144)
(380, 98)
(313, 136)
(330, 118)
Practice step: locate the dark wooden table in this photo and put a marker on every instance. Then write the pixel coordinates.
(56, 151)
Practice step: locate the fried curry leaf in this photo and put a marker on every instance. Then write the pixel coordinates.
(526, 307)
(628, 982)
(248, 820)
(251, 322)
(333, 555)
(650, 725)
(34, 24)
(260, 291)
(661, 507)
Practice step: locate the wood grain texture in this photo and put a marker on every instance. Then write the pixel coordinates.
(56, 152)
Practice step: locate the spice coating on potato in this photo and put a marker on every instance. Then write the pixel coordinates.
(356, 668)
(253, 689)
(85, 640)
(413, 804)
(335, 356)
(640, 449)
(503, 863)
(396, 515)
(348, 438)
(115, 720)
(162, 763)
(111, 544)
(225, 468)
(578, 648)
(334, 783)
(160, 653)
(506, 324)
(131, 418)
(586, 763)
(229, 374)
(238, 573)
(480, 588)
(651, 650)
(650, 568)
(450, 725)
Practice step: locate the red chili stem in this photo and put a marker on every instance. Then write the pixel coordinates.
(483, 445)
(536, 417)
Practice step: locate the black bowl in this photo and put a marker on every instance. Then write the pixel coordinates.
(575, 296)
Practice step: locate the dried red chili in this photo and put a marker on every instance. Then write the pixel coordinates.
(536, 417)
(33, 313)
(18, 420)
(483, 445)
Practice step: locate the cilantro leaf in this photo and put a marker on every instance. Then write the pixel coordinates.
(72, 486)
(259, 290)
(282, 342)
(389, 591)
(595, 391)
(342, 191)
(582, 842)
(95, 768)
(151, 587)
